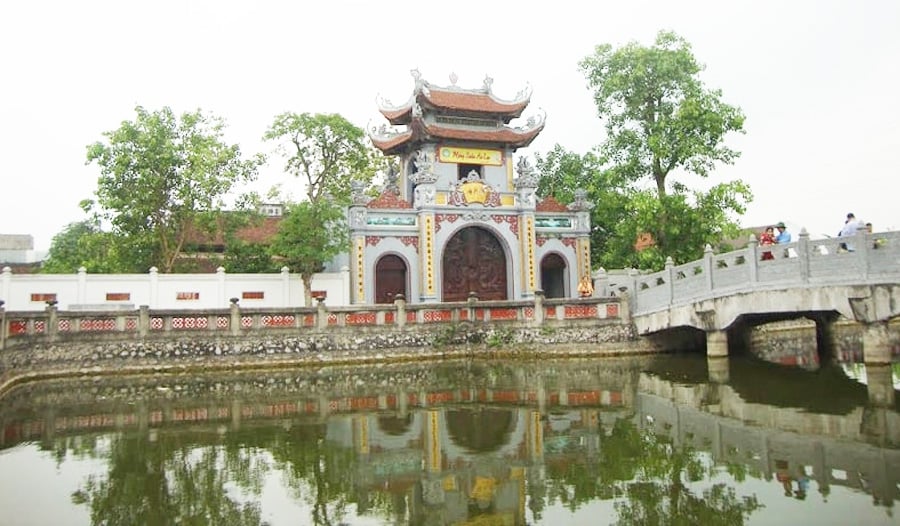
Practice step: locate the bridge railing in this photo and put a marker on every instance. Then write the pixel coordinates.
(863, 259)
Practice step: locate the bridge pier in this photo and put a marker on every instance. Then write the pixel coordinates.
(876, 343)
(716, 344)
(717, 369)
(880, 384)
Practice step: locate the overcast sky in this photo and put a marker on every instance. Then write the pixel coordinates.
(817, 80)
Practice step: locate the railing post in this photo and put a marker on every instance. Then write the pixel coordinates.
(144, 320)
(3, 328)
(472, 300)
(863, 246)
(220, 280)
(52, 327)
(803, 253)
(538, 307)
(285, 287)
(670, 282)
(81, 293)
(235, 322)
(753, 259)
(708, 267)
(5, 282)
(601, 282)
(321, 313)
(154, 287)
(400, 304)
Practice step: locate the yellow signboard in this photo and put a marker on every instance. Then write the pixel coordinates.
(447, 154)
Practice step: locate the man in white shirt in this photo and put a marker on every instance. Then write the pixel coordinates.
(851, 226)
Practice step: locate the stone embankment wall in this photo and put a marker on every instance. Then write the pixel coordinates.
(334, 345)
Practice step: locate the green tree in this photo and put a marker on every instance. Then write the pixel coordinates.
(327, 151)
(162, 175)
(311, 234)
(660, 120)
(82, 244)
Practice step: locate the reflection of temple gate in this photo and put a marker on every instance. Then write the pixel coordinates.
(553, 273)
(474, 261)
(390, 279)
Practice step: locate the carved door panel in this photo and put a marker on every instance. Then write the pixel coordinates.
(390, 279)
(474, 261)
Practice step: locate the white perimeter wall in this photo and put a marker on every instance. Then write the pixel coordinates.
(167, 291)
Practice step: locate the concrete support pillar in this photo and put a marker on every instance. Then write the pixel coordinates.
(716, 344)
(880, 384)
(400, 304)
(876, 344)
(717, 368)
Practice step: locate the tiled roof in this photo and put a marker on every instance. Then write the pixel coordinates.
(388, 199)
(550, 204)
(456, 101)
(260, 231)
(506, 136)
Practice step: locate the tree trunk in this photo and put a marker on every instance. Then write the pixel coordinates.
(307, 289)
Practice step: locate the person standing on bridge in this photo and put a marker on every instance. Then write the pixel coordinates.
(765, 239)
(783, 235)
(851, 226)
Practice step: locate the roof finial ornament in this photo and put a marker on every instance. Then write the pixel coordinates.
(488, 81)
(453, 78)
(417, 78)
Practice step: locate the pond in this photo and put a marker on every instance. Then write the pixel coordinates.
(669, 439)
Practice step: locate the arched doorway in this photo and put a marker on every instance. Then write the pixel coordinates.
(390, 279)
(474, 261)
(553, 276)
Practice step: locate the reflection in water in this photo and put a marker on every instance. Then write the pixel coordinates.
(661, 440)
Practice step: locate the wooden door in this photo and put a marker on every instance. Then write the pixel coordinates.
(390, 279)
(474, 261)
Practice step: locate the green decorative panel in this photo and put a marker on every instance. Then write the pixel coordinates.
(553, 222)
(391, 220)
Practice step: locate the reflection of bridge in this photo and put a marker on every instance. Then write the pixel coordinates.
(834, 450)
(805, 279)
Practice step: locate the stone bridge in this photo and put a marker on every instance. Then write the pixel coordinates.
(817, 279)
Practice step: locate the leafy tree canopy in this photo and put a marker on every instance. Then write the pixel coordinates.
(310, 235)
(660, 119)
(162, 175)
(327, 151)
(82, 244)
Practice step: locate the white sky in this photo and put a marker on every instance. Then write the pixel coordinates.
(818, 81)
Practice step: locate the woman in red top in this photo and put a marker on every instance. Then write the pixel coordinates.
(767, 238)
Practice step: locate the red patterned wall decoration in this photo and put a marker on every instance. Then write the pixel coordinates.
(504, 314)
(569, 242)
(410, 240)
(360, 318)
(511, 220)
(580, 311)
(439, 218)
(612, 310)
(540, 240)
(373, 240)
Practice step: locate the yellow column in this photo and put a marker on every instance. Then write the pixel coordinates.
(359, 269)
(427, 256)
(433, 460)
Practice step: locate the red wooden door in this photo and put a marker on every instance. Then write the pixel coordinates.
(390, 279)
(474, 261)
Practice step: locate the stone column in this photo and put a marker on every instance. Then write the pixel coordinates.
(400, 304)
(876, 344)
(235, 321)
(81, 294)
(321, 313)
(52, 328)
(716, 344)
(539, 307)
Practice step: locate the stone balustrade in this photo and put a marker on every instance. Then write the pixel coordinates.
(873, 259)
(23, 328)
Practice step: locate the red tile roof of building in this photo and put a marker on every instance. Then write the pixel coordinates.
(550, 204)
